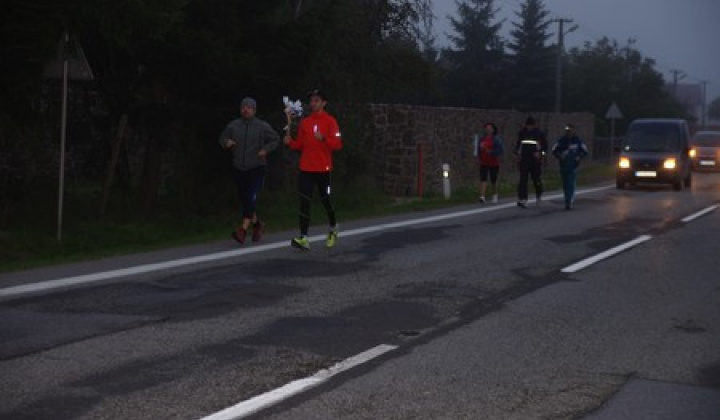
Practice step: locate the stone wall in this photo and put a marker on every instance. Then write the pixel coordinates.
(404, 138)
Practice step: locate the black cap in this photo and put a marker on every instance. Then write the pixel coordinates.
(317, 92)
(530, 121)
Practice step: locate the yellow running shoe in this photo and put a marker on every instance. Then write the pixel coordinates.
(332, 237)
(301, 242)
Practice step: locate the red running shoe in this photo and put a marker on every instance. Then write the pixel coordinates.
(257, 230)
(239, 235)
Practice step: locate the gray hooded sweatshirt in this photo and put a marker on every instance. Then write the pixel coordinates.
(251, 136)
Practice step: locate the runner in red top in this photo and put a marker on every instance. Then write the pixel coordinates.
(318, 136)
(489, 149)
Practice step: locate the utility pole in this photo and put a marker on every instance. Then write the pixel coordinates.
(704, 84)
(677, 76)
(561, 50)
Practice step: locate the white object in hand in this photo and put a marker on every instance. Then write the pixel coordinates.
(293, 108)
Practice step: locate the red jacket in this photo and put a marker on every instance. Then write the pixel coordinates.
(316, 155)
(487, 152)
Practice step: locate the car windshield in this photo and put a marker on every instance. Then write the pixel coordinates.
(656, 137)
(706, 140)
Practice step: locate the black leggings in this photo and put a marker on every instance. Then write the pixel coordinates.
(533, 168)
(306, 183)
(248, 185)
(489, 171)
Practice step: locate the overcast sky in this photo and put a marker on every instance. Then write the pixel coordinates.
(679, 34)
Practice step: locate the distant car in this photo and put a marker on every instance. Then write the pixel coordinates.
(656, 151)
(705, 150)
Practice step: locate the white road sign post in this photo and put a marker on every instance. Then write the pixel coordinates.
(69, 64)
(612, 114)
(63, 132)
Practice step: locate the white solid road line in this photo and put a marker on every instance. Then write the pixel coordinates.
(140, 269)
(701, 213)
(605, 254)
(149, 268)
(276, 396)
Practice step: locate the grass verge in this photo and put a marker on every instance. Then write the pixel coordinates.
(28, 241)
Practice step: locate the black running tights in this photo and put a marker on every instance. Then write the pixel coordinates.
(307, 181)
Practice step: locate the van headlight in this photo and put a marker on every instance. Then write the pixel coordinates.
(693, 153)
(624, 163)
(669, 163)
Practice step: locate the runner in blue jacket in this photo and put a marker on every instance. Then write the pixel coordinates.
(569, 150)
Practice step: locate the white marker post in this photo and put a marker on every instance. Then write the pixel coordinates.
(446, 180)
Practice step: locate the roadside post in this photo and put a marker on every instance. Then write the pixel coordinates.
(420, 169)
(446, 180)
(69, 64)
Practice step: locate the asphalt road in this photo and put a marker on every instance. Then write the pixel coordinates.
(476, 314)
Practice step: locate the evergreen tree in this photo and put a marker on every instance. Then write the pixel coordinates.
(476, 61)
(532, 59)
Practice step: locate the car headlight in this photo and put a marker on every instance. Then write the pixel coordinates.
(669, 163)
(624, 163)
(693, 153)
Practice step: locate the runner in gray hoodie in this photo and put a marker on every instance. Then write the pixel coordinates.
(249, 139)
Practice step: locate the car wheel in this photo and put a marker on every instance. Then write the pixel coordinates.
(619, 184)
(678, 185)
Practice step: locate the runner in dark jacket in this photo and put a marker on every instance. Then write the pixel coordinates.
(250, 139)
(569, 150)
(530, 151)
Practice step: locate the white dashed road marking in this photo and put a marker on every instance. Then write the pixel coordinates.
(605, 254)
(701, 213)
(276, 396)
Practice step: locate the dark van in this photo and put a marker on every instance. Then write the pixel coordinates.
(656, 151)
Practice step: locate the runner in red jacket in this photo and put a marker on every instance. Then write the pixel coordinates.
(318, 136)
(488, 150)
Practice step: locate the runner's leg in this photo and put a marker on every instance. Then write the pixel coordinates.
(483, 181)
(536, 173)
(305, 191)
(254, 185)
(325, 189)
(494, 173)
(523, 181)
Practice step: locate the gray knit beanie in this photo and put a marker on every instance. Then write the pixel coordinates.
(249, 102)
